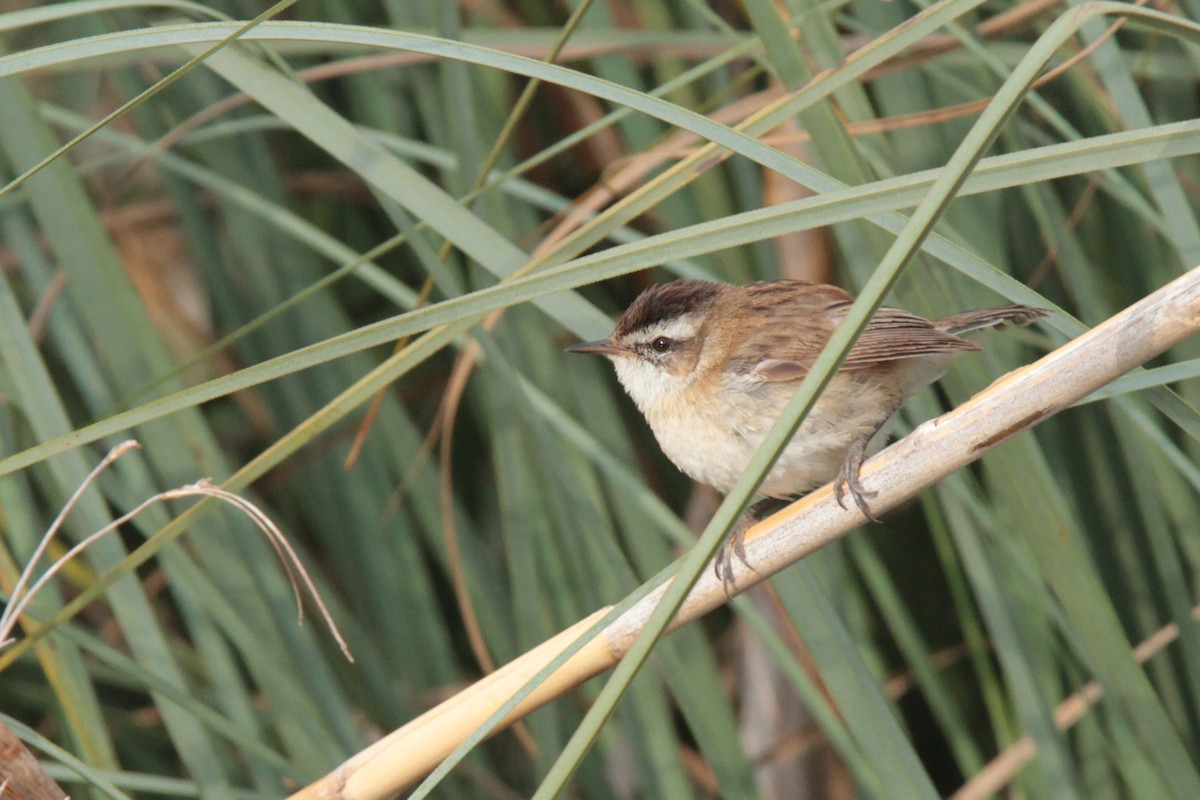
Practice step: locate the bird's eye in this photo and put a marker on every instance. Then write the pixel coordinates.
(662, 344)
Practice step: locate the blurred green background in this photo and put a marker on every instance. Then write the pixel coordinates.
(274, 270)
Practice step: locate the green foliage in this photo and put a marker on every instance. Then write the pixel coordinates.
(323, 211)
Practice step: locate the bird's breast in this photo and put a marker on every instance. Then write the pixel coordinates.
(712, 437)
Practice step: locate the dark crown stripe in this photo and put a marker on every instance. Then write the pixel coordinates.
(668, 301)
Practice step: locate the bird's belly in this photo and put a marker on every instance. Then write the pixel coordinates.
(714, 448)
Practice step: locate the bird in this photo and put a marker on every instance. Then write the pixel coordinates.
(711, 367)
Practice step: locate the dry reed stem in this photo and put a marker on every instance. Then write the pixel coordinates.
(21, 776)
(1002, 769)
(1013, 403)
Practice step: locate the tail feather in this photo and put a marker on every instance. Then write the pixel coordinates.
(983, 318)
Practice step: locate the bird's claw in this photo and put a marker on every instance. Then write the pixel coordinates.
(734, 546)
(847, 480)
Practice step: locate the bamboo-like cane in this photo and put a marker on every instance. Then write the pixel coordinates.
(936, 448)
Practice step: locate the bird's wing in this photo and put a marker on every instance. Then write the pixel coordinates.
(792, 340)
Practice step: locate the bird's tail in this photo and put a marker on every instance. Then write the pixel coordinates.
(981, 319)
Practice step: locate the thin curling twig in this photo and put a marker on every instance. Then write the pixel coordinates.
(8, 617)
(1012, 404)
(20, 597)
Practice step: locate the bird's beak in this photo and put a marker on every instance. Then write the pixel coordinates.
(602, 346)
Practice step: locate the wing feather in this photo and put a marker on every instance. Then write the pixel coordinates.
(791, 335)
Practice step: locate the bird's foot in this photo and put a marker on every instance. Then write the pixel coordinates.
(735, 546)
(847, 480)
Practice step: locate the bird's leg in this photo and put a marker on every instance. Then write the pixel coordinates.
(736, 544)
(847, 477)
